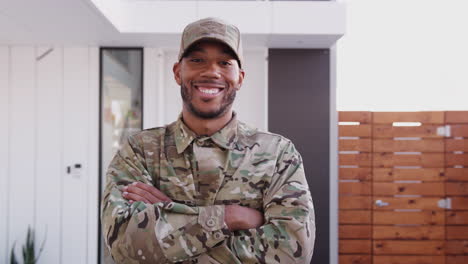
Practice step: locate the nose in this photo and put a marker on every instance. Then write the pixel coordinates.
(211, 71)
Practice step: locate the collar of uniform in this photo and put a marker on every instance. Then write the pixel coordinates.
(224, 138)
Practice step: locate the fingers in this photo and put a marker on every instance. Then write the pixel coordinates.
(138, 191)
(152, 190)
(132, 192)
(135, 197)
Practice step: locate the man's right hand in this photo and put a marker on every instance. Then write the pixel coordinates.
(239, 217)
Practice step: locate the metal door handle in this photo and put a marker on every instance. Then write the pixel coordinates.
(381, 203)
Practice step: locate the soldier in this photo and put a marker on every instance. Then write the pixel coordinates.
(208, 188)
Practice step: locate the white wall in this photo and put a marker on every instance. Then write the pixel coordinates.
(162, 99)
(49, 115)
(400, 55)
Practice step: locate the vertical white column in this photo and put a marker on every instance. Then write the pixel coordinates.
(152, 115)
(172, 100)
(4, 142)
(252, 99)
(76, 107)
(49, 134)
(22, 145)
(93, 156)
(333, 161)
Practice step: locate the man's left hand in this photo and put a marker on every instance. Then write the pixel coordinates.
(141, 192)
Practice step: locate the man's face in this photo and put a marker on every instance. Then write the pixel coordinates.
(209, 77)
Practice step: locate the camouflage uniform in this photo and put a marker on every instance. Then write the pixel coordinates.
(201, 174)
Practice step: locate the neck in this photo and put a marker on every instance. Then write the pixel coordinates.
(205, 126)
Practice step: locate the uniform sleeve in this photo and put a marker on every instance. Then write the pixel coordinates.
(153, 233)
(288, 234)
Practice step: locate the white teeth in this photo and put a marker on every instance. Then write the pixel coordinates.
(209, 91)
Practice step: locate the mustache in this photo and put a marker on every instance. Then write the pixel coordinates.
(224, 84)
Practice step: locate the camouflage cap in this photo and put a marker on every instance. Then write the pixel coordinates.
(212, 29)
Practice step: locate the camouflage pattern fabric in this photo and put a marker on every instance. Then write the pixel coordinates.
(201, 174)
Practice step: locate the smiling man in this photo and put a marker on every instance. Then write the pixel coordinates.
(208, 188)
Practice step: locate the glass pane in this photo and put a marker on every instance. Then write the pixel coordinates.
(121, 99)
(121, 106)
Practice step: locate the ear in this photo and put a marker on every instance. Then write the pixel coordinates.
(176, 70)
(241, 78)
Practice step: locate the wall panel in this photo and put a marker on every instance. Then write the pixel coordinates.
(49, 143)
(4, 142)
(76, 107)
(93, 157)
(22, 169)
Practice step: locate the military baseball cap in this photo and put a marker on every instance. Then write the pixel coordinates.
(212, 28)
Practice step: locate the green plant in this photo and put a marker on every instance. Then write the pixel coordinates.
(29, 249)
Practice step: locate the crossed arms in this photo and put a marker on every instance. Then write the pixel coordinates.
(142, 225)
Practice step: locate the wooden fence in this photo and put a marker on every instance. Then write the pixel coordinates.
(403, 187)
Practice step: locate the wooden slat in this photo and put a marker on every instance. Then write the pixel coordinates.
(363, 174)
(392, 247)
(456, 174)
(423, 203)
(456, 144)
(457, 217)
(355, 259)
(355, 131)
(459, 203)
(456, 247)
(456, 159)
(409, 218)
(388, 131)
(409, 260)
(363, 145)
(426, 189)
(456, 260)
(457, 188)
(423, 117)
(362, 159)
(356, 188)
(456, 117)
(426, 145)
(354, 217)
(355, 116)
(428, 160)
(409, 232)
(355, 246)
(459, 130)
(457, 232)
(425, 175)
(355, 202)
(355, 231)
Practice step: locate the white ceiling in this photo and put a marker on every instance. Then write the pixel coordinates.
(159, 23)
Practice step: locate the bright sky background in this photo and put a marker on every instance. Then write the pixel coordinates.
(404, 55)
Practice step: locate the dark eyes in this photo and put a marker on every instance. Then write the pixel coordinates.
(225, 63)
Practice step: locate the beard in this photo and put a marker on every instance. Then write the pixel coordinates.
(225, 105)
